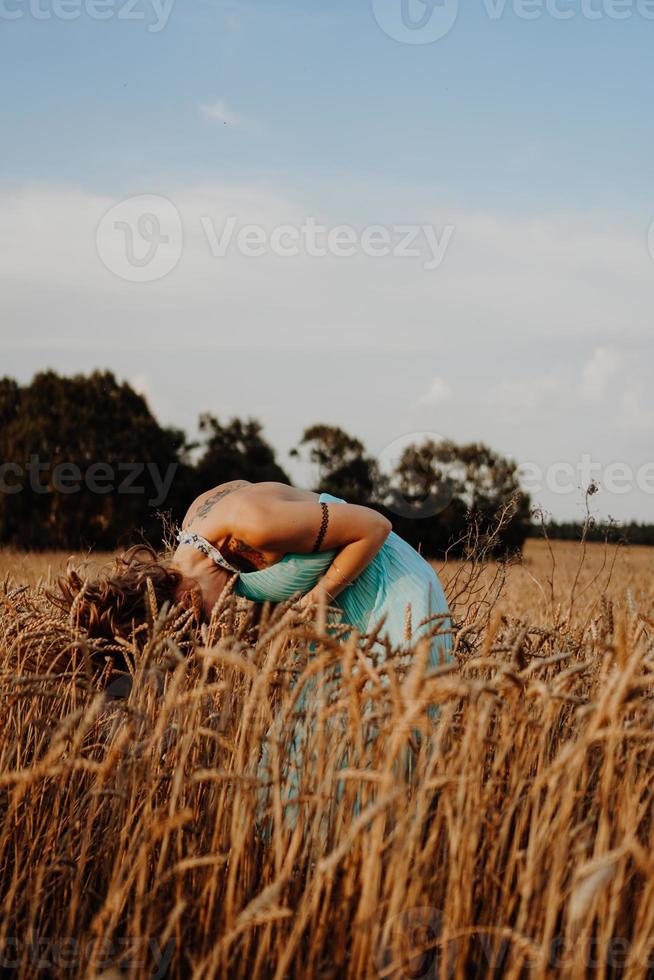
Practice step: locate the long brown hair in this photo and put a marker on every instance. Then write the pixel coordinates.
(115, 599)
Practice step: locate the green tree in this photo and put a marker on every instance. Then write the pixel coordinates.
(344, 468)
(236, 451)
(437, 488)
(99, 429)
(9, 401)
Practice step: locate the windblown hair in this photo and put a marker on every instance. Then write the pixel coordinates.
(117, 599)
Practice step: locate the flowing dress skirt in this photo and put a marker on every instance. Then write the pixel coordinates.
(398, 587)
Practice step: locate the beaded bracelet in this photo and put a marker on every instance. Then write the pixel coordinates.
(323, 526)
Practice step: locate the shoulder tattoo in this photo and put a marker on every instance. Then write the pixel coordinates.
(207, 504)
(243, 555)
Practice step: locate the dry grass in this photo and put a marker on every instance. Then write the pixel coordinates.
(273, 803)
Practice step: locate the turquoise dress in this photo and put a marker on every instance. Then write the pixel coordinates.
(397, 578)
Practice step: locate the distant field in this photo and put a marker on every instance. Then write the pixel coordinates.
(527, 590)
(269, 802)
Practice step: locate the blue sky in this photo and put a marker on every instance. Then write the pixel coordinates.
(508, 112)
(531, 139)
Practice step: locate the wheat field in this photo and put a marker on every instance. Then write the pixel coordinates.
(262, 799)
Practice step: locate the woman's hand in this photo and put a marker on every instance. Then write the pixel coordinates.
(315, 596)
(310, 602)
(306, 602)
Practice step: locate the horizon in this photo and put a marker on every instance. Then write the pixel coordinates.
(582, 480)
(485, 267)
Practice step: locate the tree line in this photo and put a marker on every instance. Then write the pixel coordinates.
(628, 532)
(84, 463)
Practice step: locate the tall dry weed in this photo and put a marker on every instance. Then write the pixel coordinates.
(261, 799)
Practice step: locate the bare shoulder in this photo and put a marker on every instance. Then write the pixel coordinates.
(205, 503)
(247, 501)
(259, 501)
(270, 491)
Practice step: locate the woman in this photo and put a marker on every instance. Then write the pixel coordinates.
(281, 541)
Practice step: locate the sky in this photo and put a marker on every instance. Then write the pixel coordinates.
(410, 219)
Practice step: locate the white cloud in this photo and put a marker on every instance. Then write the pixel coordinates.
(495, 337)
(600, 370)
(633, 415)
(219, 113)
(615, 377)
(439, 391)
(503, 281)
(515, 397)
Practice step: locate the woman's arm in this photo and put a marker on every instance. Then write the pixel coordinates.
(356, 532)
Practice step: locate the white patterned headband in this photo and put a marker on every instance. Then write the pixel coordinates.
(197, 541)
